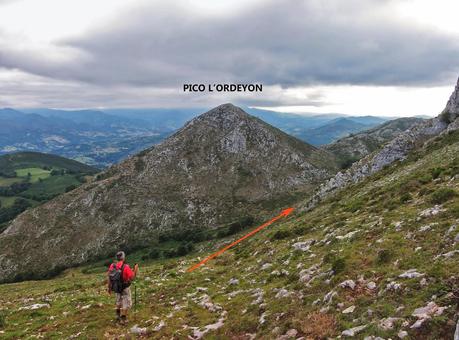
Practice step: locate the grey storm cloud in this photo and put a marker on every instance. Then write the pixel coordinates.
(290, 43)
(146, 53)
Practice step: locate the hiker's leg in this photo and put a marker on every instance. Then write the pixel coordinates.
(126, 304)
(118, 303)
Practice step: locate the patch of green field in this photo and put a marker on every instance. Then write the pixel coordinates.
(6, 181)
(35, 174)
(11, 162)
(7, 201)
(51, 186)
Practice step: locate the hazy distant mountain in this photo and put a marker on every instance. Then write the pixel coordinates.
(91, 119)
(92, 137)
(318, 129)
(169, 119)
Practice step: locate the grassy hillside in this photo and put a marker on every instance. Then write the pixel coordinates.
(367, 258)
(22, 160)
(31, 178)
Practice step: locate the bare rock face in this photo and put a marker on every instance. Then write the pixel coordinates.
(220, 166)
(395, 150)
(451, 111)
(355, 147)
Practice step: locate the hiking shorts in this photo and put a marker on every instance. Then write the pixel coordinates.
(123, 299)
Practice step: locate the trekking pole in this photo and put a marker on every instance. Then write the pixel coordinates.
(135, 293)
(135, 301)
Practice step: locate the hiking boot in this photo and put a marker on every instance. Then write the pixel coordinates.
(123, 320)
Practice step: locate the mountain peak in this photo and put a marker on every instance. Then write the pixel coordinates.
(451, 111)
(225, 112)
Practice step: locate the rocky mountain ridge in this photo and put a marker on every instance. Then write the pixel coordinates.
(393, 151)
(221, 165)
(354, 147)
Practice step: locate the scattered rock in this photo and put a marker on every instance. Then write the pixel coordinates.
(198, 334)
(388, 323)
(353, 331)
(138, 330)
(432, 309)
(451, 229)
(266, 266)
(329, 297)
(410, 274)
(262, 319)
(448, 254)
(348, 235)
(349, 310)
(435, 210)
(36, 306)
(418, 324)
(302, 246)
(292, 332)
(398, 225)
(258, 293)
(160, 326)
(425, 228)
(404, 334)
(393, 286)
(306, 275)
(233, 281)
(348, 284)
(282, 293)
(371, 285)
(206, 302)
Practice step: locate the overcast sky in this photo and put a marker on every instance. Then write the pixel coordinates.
(379, 57)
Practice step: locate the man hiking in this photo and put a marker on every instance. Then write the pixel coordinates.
(120, 276)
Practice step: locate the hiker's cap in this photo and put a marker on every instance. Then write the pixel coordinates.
(120, 255)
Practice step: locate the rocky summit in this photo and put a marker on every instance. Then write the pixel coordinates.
(220, 166)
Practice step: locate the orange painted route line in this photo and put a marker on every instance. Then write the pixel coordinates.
(221, 251)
